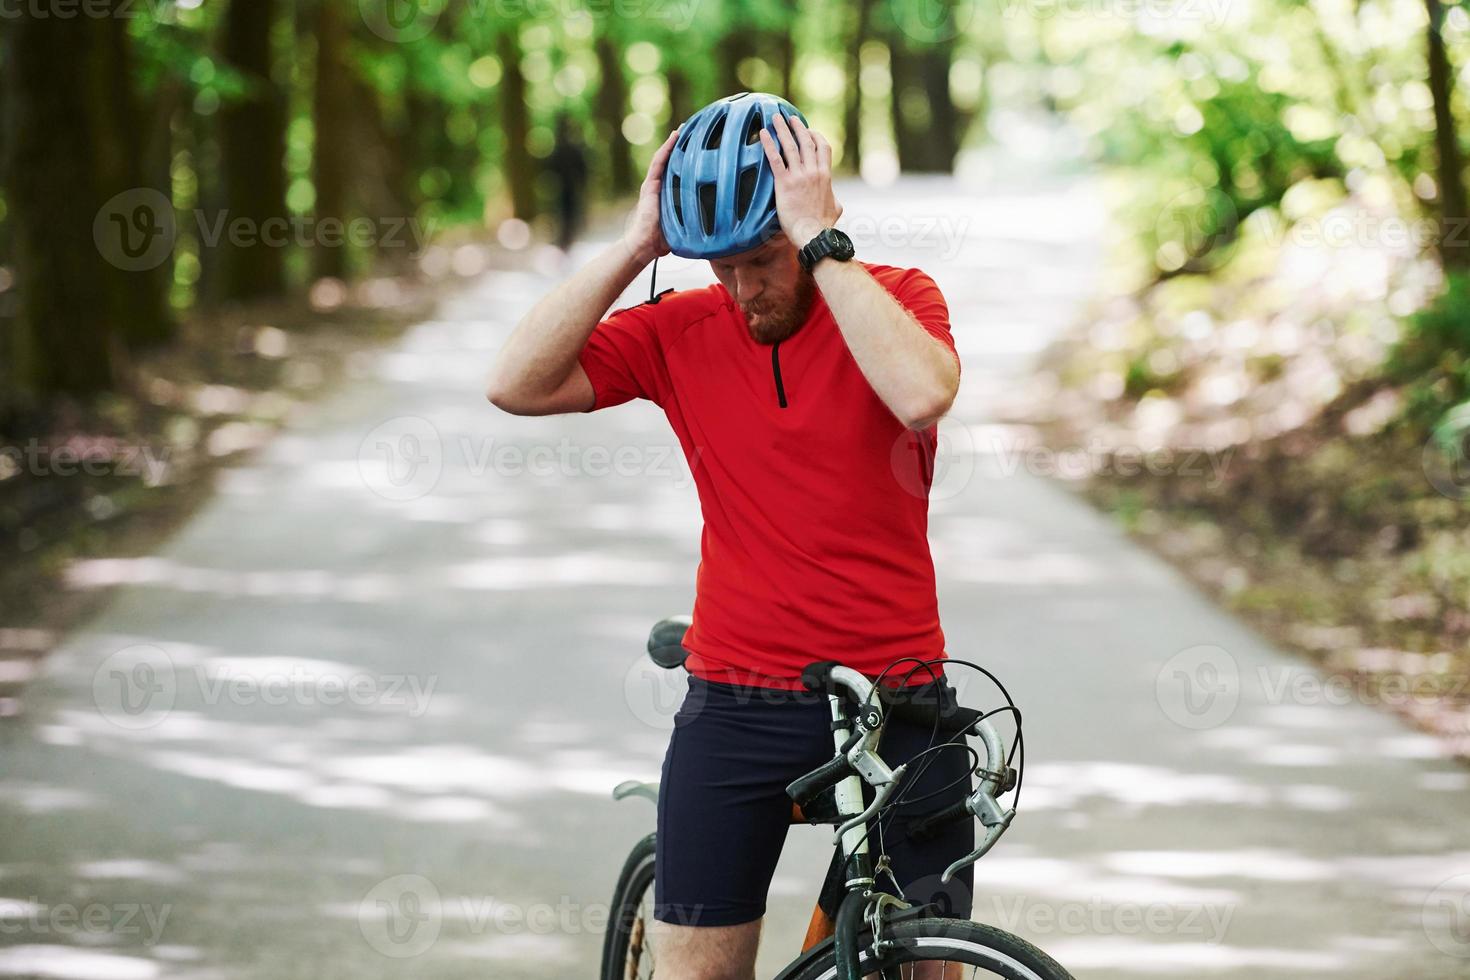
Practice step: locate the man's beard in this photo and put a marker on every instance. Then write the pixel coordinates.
(780, 320)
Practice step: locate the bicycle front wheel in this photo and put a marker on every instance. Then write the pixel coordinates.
(945, 949)
(626, 954)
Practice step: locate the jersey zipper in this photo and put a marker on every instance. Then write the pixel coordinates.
(776, 370)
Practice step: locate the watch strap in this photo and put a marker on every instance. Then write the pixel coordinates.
(815, 250)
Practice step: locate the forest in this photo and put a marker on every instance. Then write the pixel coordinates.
(208, 153)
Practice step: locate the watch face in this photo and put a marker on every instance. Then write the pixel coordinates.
(841, 245)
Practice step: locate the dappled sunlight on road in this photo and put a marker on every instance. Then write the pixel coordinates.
(561, 572)
(1068, 786)
(299, 585)
(340, 765)
(1260, 863)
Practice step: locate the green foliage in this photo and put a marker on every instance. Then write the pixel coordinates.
(1438, 334)
(1216, 119)
(1141, 376)
(1433, 357)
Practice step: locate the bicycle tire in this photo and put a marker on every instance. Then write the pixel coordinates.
(956, 941)
(624, 927)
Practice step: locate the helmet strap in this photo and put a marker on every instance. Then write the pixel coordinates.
(654, 297)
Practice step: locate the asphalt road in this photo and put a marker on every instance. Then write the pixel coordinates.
(361, 716)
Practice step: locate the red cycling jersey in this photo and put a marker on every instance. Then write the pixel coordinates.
(815, 496)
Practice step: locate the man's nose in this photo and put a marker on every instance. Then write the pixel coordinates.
(747, 287)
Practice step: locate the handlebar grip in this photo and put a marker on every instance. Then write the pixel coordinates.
(926, 827)
(807, 788)
(818, 675)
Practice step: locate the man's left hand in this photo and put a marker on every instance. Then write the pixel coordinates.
(804, 201)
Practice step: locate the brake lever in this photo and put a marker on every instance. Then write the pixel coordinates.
(984, 805)
(880, 798)
(990, 838)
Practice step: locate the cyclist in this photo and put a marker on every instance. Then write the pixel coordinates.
(804, 387)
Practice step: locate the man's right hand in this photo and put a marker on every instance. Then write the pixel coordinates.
(643, 236)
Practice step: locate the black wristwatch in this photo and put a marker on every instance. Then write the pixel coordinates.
(829, 243)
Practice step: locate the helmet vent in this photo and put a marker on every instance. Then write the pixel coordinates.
(753, 129)
(716, 132)
(678, 207)
(707, 208)
(745, 192)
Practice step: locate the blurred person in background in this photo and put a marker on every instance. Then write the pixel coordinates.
(568, 163)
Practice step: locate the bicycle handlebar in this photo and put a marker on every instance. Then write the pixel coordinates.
(858, 756)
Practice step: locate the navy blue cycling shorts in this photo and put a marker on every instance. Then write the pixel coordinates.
(723, 811)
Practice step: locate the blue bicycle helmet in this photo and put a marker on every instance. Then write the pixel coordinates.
(719, 196)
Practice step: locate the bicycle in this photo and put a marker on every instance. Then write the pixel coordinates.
(855, 931)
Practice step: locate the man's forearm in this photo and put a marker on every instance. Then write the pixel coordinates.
(544, 346)
(910, 370)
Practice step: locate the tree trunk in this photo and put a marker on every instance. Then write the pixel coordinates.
(785, 43)
(332, 113)
(942, 144)
(519, 170)
(925, 122)
(681, 105)
(253, 145)
(137, 296)
(381, 161)
(733, 48)
(852, 109)
(421, 132)
(66, 166)
(203, 136)
(1453, 213)
(158, 135)
(904, 94)
(612, 106)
